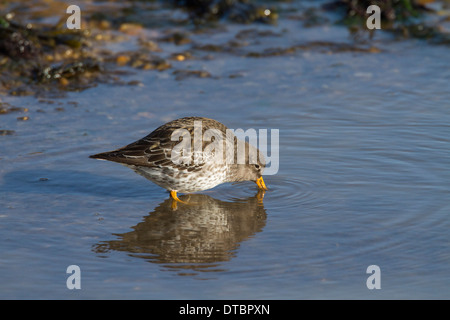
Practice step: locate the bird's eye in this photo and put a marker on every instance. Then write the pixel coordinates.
(257, 166)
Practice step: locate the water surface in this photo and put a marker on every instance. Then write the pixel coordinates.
(363, 178)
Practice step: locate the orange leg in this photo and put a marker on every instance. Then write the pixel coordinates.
(174, 196)
(175, 199)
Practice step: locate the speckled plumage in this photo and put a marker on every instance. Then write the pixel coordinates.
(152, 158)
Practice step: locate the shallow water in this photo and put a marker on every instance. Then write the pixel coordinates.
(363, 179)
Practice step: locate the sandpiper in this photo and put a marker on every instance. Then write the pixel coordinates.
(214, 160)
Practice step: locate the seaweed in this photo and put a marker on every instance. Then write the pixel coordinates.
(404, 18)
(27, 42)
(240, 11)
(391, 10)
(17, 42)
(31, 56)
(66, 70)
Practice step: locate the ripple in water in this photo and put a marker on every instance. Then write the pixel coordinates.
(283, 192)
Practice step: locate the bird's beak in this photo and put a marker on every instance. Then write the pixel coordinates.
(261, 184)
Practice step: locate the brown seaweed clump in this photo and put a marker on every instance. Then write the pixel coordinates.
(391, 10)
(33, 58)
(404, 18)
(240, 11)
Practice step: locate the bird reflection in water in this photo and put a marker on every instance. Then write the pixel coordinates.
(197, 236)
